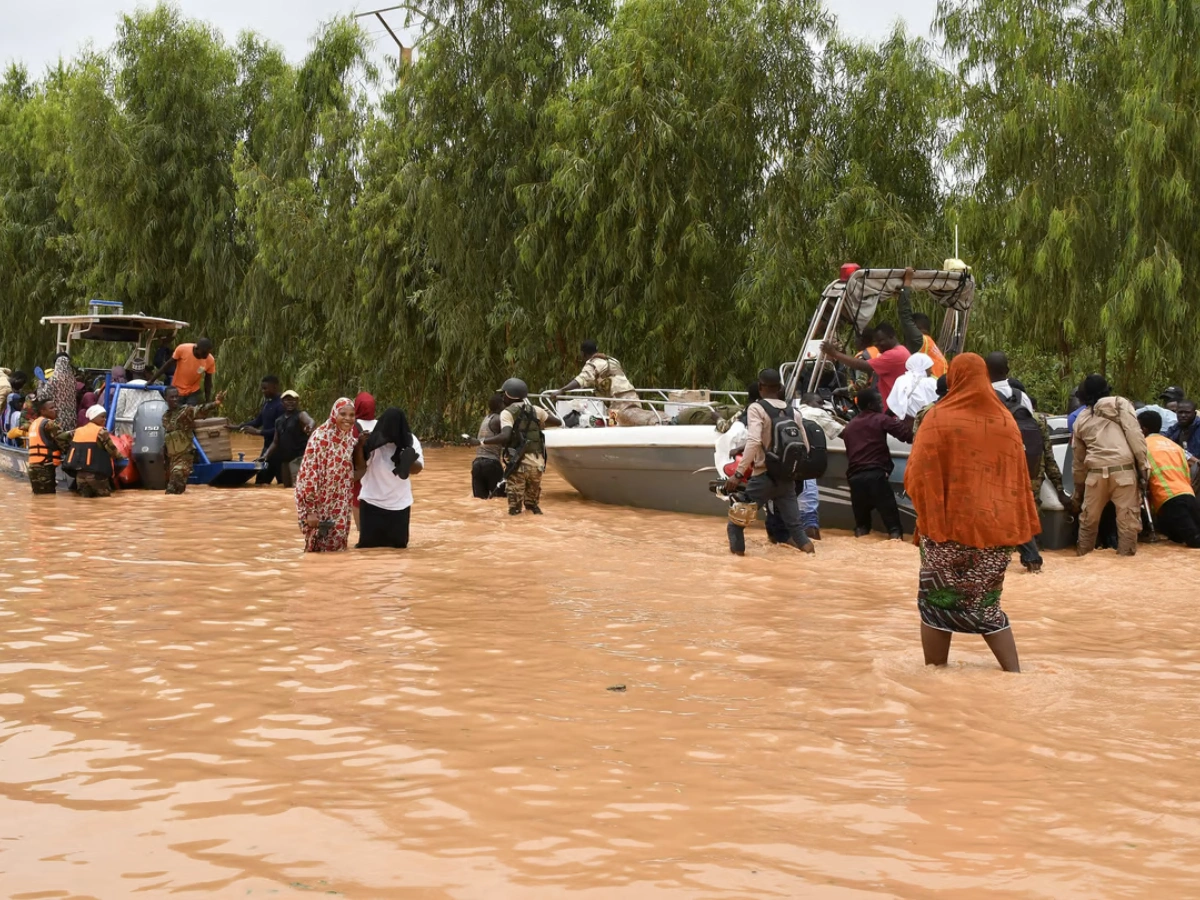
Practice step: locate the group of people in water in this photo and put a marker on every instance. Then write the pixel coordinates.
(981, 461)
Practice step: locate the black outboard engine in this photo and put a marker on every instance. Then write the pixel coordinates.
(148, 453)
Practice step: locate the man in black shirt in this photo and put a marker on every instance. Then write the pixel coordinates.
(264, 424)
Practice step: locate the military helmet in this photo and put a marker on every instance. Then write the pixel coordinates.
(515, 389)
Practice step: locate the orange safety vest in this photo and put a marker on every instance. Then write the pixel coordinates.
(87, 455)
(1169, 473)
(40, 453)
(930, 349)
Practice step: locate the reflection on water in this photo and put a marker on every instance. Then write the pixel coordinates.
(190, 706)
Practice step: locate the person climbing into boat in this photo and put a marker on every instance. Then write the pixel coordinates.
(522, 435)
(487, 471)
(292, 429)
(323, 482)
(384, 465)
(940, 391)
(194, 364)
(969, 483)
(1042, 467)
(263, 425)
(1172, 498)
(605, 375)
(763, 421)
(46, 442)
(179, 432)
(1109, 461)
(90, 458)
(915, 389)
(869, 464)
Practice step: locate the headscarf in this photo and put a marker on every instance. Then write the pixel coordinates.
(967, 475)
(392, 428)
(364, 411)
(323, 482)
(914, 390)
(85, 403)
(62, 386)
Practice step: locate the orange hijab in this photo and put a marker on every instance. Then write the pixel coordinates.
(967, 475)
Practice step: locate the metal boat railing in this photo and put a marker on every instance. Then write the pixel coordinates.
(658, 399)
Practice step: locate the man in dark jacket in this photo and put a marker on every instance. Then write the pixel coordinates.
(869, 464)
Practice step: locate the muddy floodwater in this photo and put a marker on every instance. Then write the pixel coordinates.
(189, 707)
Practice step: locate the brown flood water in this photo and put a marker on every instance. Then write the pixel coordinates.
(191, 707)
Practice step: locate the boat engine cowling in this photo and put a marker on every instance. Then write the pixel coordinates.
(148, 453)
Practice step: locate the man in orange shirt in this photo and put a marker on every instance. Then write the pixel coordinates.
(193, 363)
(1170, 484)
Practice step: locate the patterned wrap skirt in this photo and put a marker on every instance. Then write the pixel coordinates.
(960, 587)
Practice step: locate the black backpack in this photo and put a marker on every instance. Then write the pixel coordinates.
(797, 453)
(1031, 431)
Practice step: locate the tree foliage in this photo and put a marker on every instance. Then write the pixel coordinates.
(675, 179)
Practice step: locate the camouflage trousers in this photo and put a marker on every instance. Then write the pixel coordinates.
(93, 485)
(179, 470)
(41, 479)
(524, 486)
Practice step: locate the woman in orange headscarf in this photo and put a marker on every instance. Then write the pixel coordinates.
(969, 482)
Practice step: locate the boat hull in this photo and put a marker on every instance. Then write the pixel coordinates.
(670, 468)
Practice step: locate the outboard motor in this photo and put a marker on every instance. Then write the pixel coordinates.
(148, 454)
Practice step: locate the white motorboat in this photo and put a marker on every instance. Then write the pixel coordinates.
(673, 467)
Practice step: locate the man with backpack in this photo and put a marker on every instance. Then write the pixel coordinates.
(1008, 389)
(869, 464)
(522, 435)
(781, 449)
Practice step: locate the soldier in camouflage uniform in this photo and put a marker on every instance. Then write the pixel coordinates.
(604, 374)
(179, 432)
(46, 443)
(521, 426)
(91, 456)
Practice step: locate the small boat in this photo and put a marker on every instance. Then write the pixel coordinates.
(674, 467)
(123, 400)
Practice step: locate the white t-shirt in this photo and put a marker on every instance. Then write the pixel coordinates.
(380, 485)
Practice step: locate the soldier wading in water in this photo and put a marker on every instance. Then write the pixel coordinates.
(522, 435)
(179, 430)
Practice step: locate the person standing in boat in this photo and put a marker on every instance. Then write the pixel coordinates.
(90, 459)
(194, 364)
(179, 432)
(969, 483)
(928, 345)
(893, 356)
(760, 487)
(604, 375)
(487, 471)
(47, 440)
(522, 434)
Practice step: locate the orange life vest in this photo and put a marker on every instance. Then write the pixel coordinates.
(86, 454)
(40, 453)
(1169, 473)
(930, 349)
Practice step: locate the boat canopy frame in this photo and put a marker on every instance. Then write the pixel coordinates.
(855, 301)
(658, 399)
(141, 331)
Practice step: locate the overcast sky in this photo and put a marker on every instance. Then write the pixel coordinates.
(38, 32)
